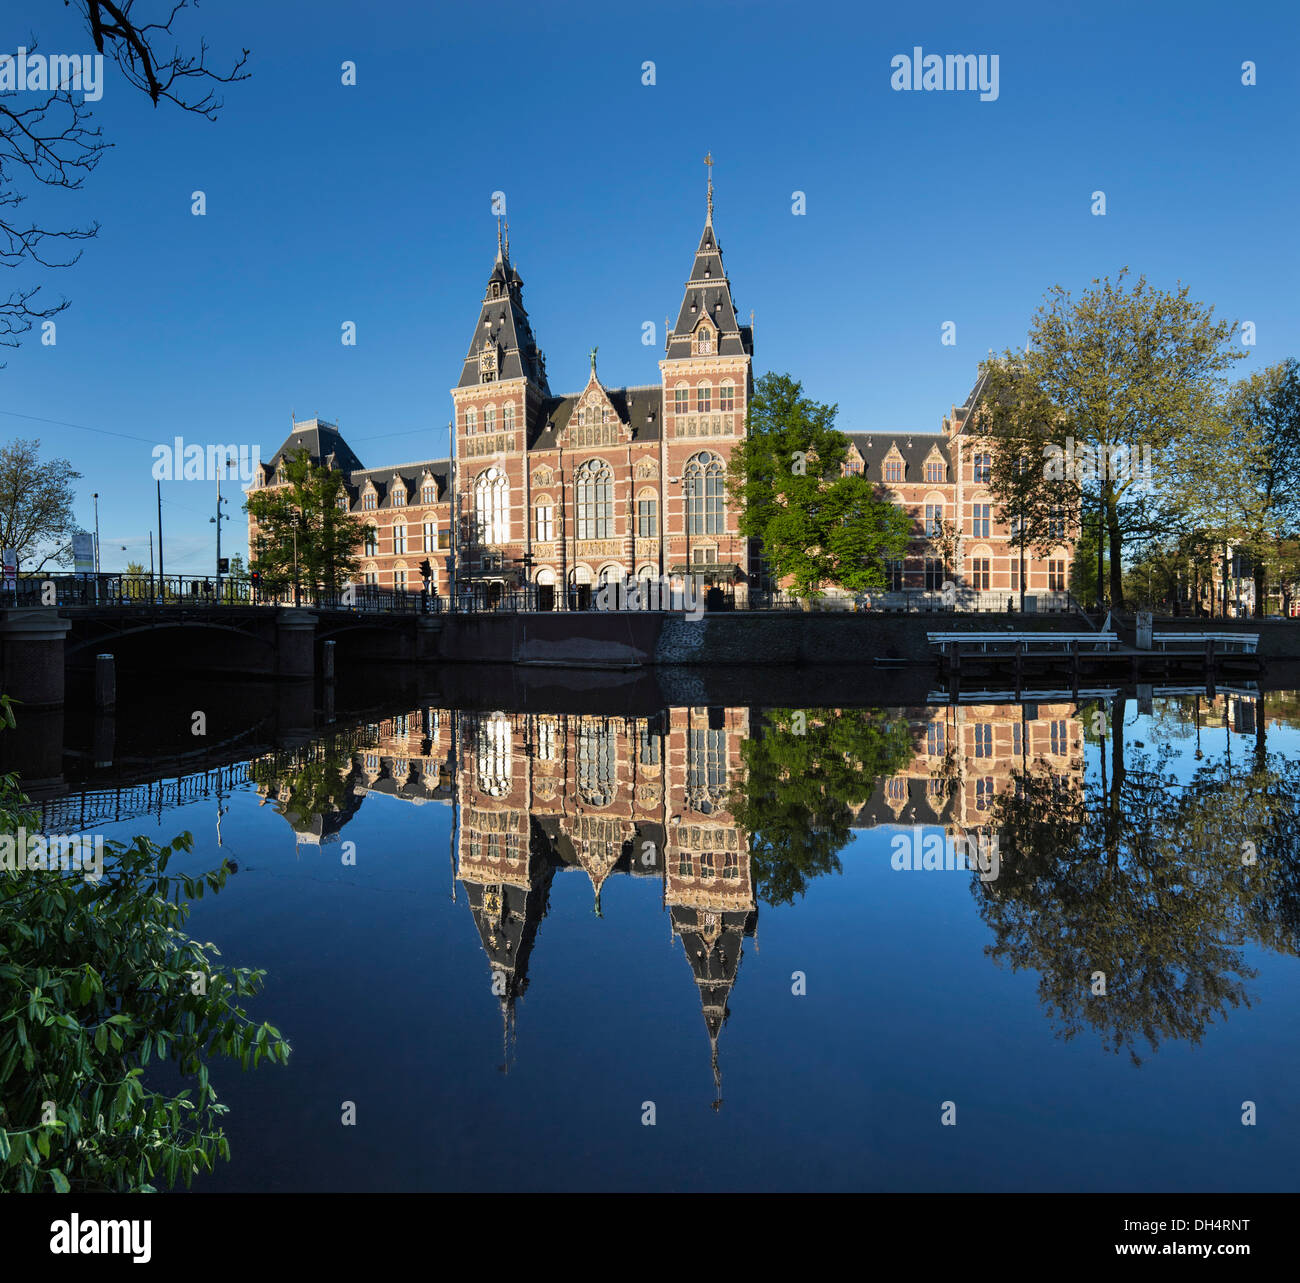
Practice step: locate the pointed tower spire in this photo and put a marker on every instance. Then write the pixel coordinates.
(708, 298)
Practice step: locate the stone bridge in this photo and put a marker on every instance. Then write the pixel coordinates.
(39, 645)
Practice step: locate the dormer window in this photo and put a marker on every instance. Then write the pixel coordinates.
(399, 497)
(429, 493)
(496, 289)
(894, 470)
(704, 341)
(368, 500)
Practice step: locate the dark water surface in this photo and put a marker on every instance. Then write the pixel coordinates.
(556, 918)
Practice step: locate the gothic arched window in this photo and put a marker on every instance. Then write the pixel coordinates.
(492, 507)
(706, 512)
(595, 500)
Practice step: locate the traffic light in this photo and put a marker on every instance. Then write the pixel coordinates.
(426, 570)
(256, 579)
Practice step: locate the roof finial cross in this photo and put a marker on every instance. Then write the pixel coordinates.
(708, 160)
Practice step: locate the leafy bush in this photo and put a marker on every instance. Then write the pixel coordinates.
(97, 979)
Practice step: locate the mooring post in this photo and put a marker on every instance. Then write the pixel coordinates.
(327, 660)
(1020, 665)
(1209, 666)
(105, 682)
(1074, 667)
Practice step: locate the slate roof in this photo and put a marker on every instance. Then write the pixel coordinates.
(641, 407)
(411, 473)
(504, 320)
(915, 447)
(324, 443)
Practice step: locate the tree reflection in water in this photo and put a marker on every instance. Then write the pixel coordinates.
(1149, 885)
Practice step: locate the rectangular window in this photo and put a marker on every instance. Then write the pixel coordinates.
(429, 494)
(894, 574)
(372, 542)
(703, 398)
(545, 528)
(1015, 573)
(706, 770)
(399, 540)
(983, 469)
(430, 536)
(649, 747)
(1017, 738)
(681, 400)
(980, 514)
(894, 470)
(934, 574)
(1059, 739)
(933, 518)
(984, 740)
(1056, 575)
(727, 397)
(1056, 523)
(684, 867)
(980, 574)
(399, 498)
(935, 739)
(983, 793)
(368, 502)
(934, 472)
(647, 518)
(399, 580)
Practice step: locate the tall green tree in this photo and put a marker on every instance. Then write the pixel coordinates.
(817, 525)
(303, 537)
(1265, 409)
(1038, 503)
(1131, 367)
(36, 497)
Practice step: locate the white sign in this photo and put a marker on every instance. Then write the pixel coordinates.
(83, 553)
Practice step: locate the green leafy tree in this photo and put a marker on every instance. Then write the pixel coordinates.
(1265, 411)
(1024, 428)
(1132, 369)
(816, 526)
(804, 773)
(36, 498)
(97, 980)
(303, 537)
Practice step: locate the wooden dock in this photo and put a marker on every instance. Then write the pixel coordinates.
(1091, 659)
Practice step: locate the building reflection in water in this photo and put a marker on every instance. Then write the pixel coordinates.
(543, 794)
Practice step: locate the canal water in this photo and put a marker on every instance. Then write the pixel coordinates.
(1000, 945)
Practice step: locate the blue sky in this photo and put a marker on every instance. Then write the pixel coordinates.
(371, 204)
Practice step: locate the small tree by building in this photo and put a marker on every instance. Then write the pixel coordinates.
(817, 525)
(303, 537)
